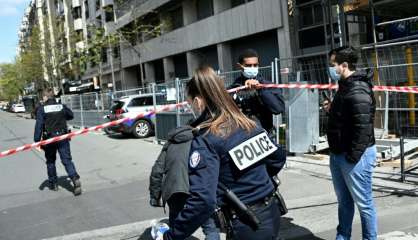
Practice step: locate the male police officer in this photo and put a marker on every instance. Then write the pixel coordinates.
(256, 103)
(51, 121)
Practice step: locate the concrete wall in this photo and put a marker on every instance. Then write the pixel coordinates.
(254, 17)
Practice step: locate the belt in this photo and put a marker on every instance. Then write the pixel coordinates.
(262, 202)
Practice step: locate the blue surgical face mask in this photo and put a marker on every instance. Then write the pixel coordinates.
(335, 77)
(250, 72)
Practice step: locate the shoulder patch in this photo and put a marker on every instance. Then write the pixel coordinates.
(194, 159)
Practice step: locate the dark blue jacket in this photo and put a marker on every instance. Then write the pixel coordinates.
(209, 163)
(41, 117)
(262, 103)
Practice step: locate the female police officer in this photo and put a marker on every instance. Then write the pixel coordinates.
(230, 150)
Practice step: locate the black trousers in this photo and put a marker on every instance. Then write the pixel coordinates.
(269, 216)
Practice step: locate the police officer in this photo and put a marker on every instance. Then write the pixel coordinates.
(231, 150)
(51, 121)
(257, 103)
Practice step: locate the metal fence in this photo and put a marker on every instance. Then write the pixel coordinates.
(304, 122)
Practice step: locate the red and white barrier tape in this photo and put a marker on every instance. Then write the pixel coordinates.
(174, 106)
(86, 130)
(333, 86)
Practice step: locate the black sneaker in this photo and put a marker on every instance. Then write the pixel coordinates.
(77, 186)
(53, 186)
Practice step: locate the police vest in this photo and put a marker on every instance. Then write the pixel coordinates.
(55, 121)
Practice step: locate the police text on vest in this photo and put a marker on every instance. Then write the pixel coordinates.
(252, 151)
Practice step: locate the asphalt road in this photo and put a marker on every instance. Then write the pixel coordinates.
(114, 173)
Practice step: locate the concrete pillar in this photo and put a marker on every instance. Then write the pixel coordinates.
(225, 57)
(193, 62)
(189, 12)
(220, 6)
(169, 71)
(149, 73)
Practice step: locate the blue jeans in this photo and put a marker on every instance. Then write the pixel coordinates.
(353, 184)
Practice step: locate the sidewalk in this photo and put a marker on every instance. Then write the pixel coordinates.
(309, 194)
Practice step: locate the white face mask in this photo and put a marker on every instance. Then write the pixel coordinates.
(250, 72)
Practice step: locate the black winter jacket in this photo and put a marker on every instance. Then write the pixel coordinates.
(351, 116)
(170, 173)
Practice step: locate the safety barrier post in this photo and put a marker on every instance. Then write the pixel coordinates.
(177, 82)
(386, 120)
(81, 111)
(411, 82)
(154, 101)
(401, 144)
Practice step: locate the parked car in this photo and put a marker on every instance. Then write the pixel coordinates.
(131, 106)
(18, 108)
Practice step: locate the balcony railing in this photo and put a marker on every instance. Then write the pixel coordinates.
(127, 5)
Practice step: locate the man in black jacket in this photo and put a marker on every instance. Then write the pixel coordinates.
(352, 145)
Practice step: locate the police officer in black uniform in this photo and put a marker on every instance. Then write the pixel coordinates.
(257, 103)
(232, 151)
(51, 121)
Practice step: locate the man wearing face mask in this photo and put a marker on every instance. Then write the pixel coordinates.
(352, 144)
(333, 75)
(256, 103)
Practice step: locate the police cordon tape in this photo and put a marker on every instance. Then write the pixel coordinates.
(174, 106)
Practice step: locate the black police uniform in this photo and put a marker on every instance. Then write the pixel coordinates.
(51, 121)
(215, 159)
(259, 104)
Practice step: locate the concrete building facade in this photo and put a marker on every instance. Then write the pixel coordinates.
(192, 32)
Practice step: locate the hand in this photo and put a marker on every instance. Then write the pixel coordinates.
(158, 230)
(252, 84)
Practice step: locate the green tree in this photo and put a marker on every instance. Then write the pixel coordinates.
(30, 63)
(10, 81)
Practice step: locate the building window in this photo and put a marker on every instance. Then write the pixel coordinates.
(99, 21)
(312, 37)
(109, 13)
(77, 12)
(97, 5)
(310, 15)
(116, 52)
(311, 29)
(176, 18)
(151, 23)
(60, 8)
(86, 6)
(78, 35)
(104, 55)
(204, 9)
(235, 3)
